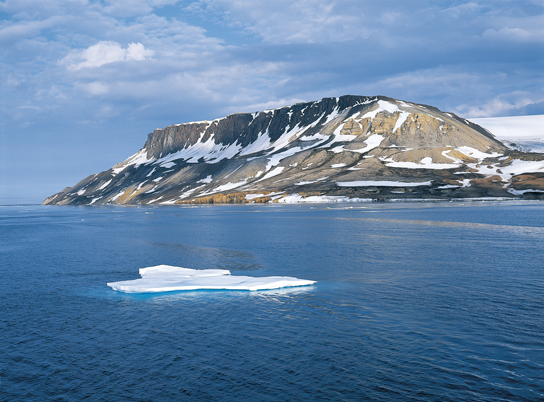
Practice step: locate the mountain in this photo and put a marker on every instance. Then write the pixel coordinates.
(333, 149)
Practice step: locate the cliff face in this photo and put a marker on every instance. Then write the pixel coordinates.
(347, 147)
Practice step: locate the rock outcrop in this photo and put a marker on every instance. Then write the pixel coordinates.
(333, 149)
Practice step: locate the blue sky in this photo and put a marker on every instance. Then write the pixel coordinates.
(84, 82)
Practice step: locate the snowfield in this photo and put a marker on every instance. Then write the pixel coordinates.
(525, 131)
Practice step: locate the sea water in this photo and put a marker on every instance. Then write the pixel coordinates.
(414, 302)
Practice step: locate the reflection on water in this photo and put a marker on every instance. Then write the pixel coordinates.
(217, 257)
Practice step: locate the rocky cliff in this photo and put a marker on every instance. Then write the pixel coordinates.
(333, 149)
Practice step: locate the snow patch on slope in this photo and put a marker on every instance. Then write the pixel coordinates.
(371, 142)
(371, 183)
(209, 151)
(139, 158)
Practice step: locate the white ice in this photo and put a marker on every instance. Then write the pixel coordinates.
(425, 163)
(167, 278)
(298, 199)
(526, 131)
(371, 183)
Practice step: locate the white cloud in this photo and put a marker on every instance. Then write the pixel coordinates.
(502, 105)
(96, 88)
(25, 29)
(132, 8)
(514, 34)
(105, 52)
(303, 21)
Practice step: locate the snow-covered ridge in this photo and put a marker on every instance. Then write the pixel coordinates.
(213, 150)
(333, 149)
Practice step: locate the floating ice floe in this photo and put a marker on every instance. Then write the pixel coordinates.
(167, 278)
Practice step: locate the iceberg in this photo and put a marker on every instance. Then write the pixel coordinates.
(167, 278)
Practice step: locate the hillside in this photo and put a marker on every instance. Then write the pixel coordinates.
(347, 148)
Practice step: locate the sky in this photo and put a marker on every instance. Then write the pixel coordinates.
(83, 82)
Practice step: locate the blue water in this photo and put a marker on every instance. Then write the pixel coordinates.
(414, 302)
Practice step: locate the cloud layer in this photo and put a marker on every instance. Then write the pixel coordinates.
(111, 71)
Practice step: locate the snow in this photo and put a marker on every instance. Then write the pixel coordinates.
(117, 196)
(370, 183)
(302, 183)
(150, 173)
(253, 196)
(521, 192)
(103, 186)
(527, 131)
(260, 144)
(474, 153)
(168, 165)
(383, 106)
(519, 167)
(166, 278)
(339, 138)
(225, 187)
(189, 192)
(272, 173)
(314, 137)
(296, 199)
(139, 158)
(286, 136)
(338, 165)
(208, 179)
(425, 163)
(371, 142)
(334, 114)
(401, 119)
(155, 199)
(209, 150)
(231, 173)
(82, 191)
(346, 137)
(169, 202)
(276, 159)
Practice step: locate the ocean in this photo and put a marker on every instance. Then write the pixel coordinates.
(413, 302)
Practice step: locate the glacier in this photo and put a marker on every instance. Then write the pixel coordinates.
(167, 278)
